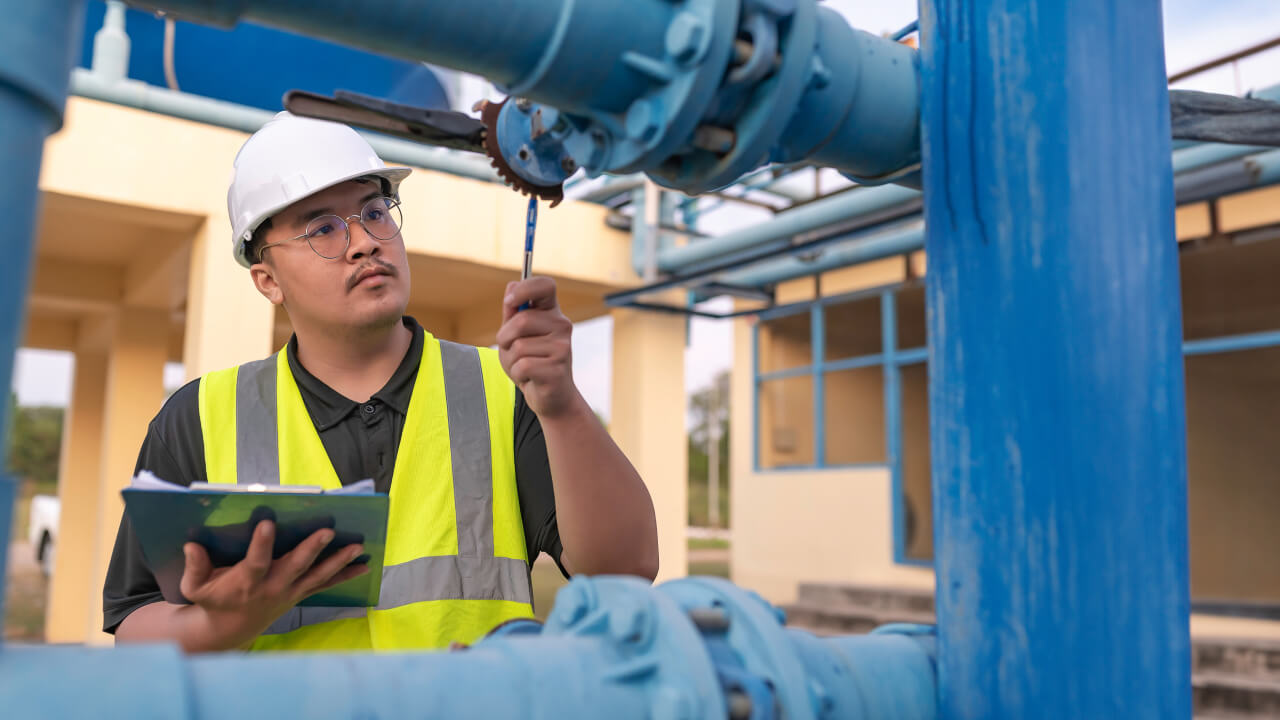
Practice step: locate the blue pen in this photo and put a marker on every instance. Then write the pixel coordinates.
(531, 222)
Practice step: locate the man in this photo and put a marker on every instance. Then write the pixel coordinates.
(489, 457)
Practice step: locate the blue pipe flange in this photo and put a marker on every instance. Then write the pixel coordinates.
(620, 134)
(756, 129)
(652, 645)
(753, 633)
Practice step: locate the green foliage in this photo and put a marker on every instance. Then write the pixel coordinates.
(709, 410)
(35, 443)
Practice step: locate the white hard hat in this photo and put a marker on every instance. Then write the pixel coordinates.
(289, 159)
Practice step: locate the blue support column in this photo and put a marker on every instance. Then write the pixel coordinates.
(1057, 409)
(37, 42)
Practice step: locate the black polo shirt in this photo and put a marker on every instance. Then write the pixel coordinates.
(361, 440)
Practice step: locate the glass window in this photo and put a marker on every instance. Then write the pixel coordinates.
(916, 488)
(786, 422)
(786, 342)
(853, 403)
(852, 328)
(1233, 412)
(911, 322)
(1230, 290)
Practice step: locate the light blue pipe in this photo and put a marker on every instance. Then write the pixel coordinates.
(860, 248)
(689, 649)
(1195, 185)
(35, 60)
(1228, 177)
(1234, 168)
(808, 218)
(676, 100)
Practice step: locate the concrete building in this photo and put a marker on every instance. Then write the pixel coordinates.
(830, 447)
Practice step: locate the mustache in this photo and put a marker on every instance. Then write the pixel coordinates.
(381, 265)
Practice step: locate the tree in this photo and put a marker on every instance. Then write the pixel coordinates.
(709, 453)
(35, 443)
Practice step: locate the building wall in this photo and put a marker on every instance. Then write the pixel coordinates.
(1233, 416)
(835, 525)
(810, 525)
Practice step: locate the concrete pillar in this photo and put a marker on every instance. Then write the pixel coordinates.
(228, 322)
(648, 421)
(68, 616)
(134, 392)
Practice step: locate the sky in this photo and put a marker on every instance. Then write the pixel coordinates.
(1195, 31)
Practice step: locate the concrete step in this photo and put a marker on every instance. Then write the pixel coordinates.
(847, 619)
(1237, 656)
(1218, 694)
(867, 596)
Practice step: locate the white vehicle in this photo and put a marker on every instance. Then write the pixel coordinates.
(43, 530)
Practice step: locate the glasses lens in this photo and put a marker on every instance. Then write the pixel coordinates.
(327, 235)
(381, 218)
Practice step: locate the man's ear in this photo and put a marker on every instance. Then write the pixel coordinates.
(264, 278)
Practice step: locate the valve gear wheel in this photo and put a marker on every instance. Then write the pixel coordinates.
(489, 112)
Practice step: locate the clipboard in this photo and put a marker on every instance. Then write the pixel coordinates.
(223, 522)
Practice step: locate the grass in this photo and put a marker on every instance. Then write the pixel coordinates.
(708, 544)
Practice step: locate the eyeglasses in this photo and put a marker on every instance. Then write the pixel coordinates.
(330, 235)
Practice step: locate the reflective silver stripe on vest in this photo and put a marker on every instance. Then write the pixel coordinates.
(474, 573)
(469, 449)
(299, 616)
(453, 577)
(257, 452)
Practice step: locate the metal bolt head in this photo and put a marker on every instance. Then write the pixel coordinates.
(686, 38)
(524, 153)
(642, 121)
(629, 622)
(819, 74)
(573, 603)
(671, 703)
(568, 165)
(523, 104)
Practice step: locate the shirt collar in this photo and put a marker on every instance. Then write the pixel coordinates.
(328, 407)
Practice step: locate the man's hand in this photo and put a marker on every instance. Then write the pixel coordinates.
(233, 605)
(534, 348)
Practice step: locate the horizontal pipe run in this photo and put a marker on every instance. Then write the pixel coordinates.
(1227, 178)
(139, 95)
(865, 249)
(811, 217)
(611, 187)
(1232, 343)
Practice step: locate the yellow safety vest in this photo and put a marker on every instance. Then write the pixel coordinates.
(455, 565)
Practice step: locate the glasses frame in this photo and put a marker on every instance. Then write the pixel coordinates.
(392, 204)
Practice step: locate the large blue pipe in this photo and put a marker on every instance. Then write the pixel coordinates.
(615, 647)
(1056, 388)
(699, 93)
(34, 71)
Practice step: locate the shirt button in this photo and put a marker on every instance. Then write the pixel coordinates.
(370, 409)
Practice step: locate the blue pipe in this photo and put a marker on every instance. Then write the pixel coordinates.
(1056, 387)
(1228, 177)
(807, 218)
(691, 648)
(807, 83)
(1200, 179)
(34, 67)
(861, 248)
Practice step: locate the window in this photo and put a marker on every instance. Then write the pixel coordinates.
(1231, 330)
(823, 396)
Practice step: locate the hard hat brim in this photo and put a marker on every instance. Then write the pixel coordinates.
(393, 174)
